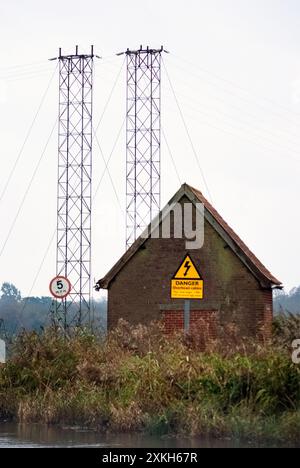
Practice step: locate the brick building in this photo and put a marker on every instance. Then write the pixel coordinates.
(237, 286)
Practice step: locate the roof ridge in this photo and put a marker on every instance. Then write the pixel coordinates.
(259, 269)
(234, 236)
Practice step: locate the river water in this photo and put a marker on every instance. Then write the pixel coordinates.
(13, 435)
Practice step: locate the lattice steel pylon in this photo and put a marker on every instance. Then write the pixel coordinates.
(74, 194)
(143, 137)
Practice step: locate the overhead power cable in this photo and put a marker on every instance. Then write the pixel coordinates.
(263, 148)
(243, 126)
(187, 132)
(279, 130)
(27, 136)
(27, 190)
(171, 155)
(238, 86)
(29, 76)
(106, 168)
(54, 232)
(25, 73)
(95, 130)
(110, 95)
(38, 271)
(24, 65)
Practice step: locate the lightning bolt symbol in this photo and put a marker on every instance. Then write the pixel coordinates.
(187, 266)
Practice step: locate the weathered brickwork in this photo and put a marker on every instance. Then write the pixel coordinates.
(140, 291)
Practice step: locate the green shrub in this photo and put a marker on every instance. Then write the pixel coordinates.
(138, 379)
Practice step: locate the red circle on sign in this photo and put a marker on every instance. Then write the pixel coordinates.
(60, 283)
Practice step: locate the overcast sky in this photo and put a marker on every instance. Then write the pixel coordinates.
(235, 68)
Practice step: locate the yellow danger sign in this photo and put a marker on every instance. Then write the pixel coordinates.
(187, 270)
(187, 282)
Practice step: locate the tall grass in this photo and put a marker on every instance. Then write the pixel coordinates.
(137, 379)
(286, 328)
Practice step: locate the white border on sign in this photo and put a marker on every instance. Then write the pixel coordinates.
(55, 279)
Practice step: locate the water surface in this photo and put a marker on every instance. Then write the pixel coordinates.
(13, 435)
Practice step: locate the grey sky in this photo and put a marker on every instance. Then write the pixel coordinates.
(235, 68)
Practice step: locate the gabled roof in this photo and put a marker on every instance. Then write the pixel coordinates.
(264, 276)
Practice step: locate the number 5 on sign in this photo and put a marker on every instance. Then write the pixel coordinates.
(60, 287)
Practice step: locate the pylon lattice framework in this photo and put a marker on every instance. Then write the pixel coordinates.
(143, 136)
(74, 196)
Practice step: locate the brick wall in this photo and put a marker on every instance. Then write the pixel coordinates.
(173, 321)
(204, 320)
(140, 292)
(267, 315)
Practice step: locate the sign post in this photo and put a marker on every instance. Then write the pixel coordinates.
(187, 284)
(187, 308)
(60, 287)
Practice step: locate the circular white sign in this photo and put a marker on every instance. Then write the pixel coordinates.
(60, 287)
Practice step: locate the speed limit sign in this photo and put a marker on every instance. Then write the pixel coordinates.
(60, 287)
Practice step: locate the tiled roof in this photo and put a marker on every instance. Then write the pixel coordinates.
(237, 240)
(239, 247)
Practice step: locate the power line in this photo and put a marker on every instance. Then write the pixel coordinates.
(108, 60)
(39, 269)
(28, 76)
(110, 95)
(286, 134)
(171, 155)
(27, 190)
(26, 301)
(261, 137)
(110, 156)
(106, 168)
(187, 131)
(50, 244)
(23, 73)
(27, 136)
(53, 235)
(23, 69)
(243, 127)
(261, 147)
(106, 163)
(238, 86)
(25, 65)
